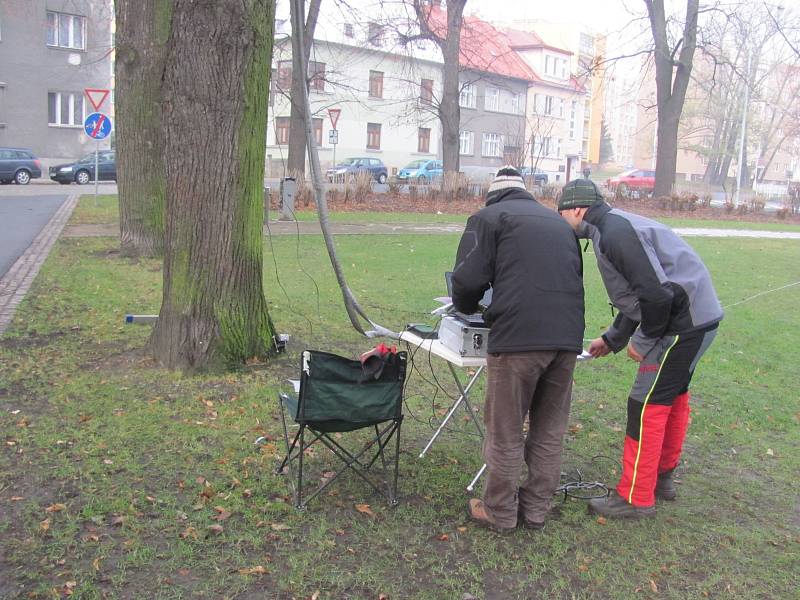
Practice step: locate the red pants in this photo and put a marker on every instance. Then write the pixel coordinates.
(658, 413)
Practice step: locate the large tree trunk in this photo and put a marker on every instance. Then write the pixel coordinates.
(449, 108)
(296, 157)
(142, 31)
(216, 85)
(672, 80)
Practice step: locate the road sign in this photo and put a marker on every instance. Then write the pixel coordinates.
(333, 137)
(97, 126)
(96, 97)
(334, 113)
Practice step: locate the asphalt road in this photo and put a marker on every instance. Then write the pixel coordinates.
(22, 217)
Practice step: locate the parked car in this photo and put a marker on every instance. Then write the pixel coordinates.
(632, 180)
(19, 165)
(536, 175)
(350, 167)
(420, 171)
(82, 170)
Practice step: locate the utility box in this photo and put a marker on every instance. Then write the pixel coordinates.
(288, 191)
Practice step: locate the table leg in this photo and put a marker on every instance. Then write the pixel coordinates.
(462, 398)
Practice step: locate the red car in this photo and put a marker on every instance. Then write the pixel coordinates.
(632, 180)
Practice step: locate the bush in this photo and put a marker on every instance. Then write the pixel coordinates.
(455, 186)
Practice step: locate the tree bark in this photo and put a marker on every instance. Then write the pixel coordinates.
(296, 157)
(216, 85)
(142, 31)
(672, 80)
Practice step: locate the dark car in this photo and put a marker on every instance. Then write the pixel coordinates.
(82, 170)
(19, 165)
(350, 167)
(535, 175)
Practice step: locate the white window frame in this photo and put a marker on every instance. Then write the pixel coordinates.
(548, 105)
(492, 93)
(72, 20)
(71, 96)
(572, 119)
(466, 143)
(468, 97)
(492, 145)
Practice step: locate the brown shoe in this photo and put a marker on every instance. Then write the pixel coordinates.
(476, 512)
(665, 486)
(617, 507)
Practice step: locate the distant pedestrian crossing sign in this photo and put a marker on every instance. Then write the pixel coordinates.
(97, 126)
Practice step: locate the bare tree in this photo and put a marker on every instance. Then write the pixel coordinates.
(449, 42)
(672, 79)
(141, 37)
(296, 160)
(216, 81)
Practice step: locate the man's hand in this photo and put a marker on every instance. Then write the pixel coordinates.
(599, 348)
(633, 354)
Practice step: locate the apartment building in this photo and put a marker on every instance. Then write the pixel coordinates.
(50, 51)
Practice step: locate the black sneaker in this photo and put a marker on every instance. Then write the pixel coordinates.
(616, 507)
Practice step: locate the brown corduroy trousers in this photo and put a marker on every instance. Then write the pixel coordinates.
(537, 385)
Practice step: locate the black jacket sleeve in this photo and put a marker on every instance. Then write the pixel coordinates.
(620, 332)
(474, 268)
(625, 251)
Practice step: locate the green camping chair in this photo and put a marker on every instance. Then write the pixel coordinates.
(338, 395)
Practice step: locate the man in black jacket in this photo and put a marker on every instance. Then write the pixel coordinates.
(668, 317)
(532, 260)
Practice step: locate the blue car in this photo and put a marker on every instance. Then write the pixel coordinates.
(350, 167)
(421, 172)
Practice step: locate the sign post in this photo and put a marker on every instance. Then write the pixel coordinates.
(96, 127)
(333, 134)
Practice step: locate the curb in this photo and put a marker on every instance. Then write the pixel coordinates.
(17, 281)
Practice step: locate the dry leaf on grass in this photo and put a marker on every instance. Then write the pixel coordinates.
(221, 515)
(216, 529)
(653, 586)
(257, 570)
(44, 525)
(279, 526)
(54, 508)
(443, 538)
(365, 509)
(601, 520)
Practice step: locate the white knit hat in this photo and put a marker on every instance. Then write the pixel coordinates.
(507, 177)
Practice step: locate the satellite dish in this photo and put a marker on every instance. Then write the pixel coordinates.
(74, 59)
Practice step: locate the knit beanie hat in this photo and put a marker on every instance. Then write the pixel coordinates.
(507, 177)
(579, 193)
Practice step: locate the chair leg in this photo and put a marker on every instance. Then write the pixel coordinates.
(393, 499)
(298, 493)
(380, 446)
(289, 448)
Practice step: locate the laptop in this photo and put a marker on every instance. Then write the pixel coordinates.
(475, 319)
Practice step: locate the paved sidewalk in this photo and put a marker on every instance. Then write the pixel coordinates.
(17, 281)
(313, 228)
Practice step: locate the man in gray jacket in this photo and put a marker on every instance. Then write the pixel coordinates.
(532, 260)
(668, 317)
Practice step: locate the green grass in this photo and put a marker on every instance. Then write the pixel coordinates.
(140, 456)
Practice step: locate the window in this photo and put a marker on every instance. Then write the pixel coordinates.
(65, 108)
(467, 97)
(375, 34)
(348, 30)
(573, 113)
(586, 44)
(492, 144)
(285, 74)
(548, 105)
(281, 130)
(466, 143)
(273, 86)
(424, 140)
(517, 104)
(374, 136)
(317, 124)
(376, 84)
(492, 99)
(66, 31)
(316, 73)
(426, 91)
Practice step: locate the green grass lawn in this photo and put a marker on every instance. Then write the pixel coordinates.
(122, 480)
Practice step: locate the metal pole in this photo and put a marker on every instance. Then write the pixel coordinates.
(739, 166)
(96, 172)
(334, 151)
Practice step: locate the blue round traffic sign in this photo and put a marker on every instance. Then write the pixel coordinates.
(97, 126)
